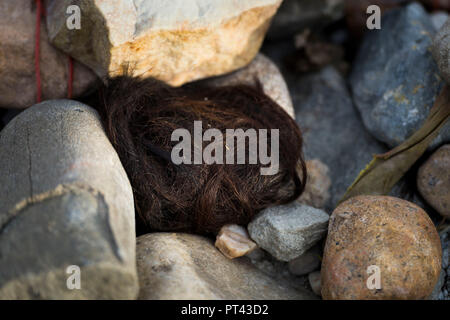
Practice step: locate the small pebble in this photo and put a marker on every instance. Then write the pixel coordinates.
(233, 241)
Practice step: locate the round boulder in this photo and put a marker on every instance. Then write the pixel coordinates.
(380, 247)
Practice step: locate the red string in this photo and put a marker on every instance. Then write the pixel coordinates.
(37, 68)
(37, 59)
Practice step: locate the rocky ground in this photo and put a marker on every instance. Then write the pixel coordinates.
(66, 200)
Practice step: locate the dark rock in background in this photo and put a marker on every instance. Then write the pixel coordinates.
(433, 180)
(332, 129)
(444, 286)
(394, 79)
(441, 50)
(295, 15)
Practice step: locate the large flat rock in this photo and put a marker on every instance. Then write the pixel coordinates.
(178, 266)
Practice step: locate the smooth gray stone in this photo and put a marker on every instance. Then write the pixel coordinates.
(65, 200)
(178, 266)
(288, 231)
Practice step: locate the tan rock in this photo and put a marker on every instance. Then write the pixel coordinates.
(433, 180)
(318, 184)
(261, 69)
(177, 266)
(391, 235)
(233, 241)
(172, 40)
(17, 70)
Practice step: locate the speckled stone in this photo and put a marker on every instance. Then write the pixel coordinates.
(394, 79)
(433, 180)
(393, 234)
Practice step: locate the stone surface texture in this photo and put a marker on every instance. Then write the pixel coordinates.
(433, 180)
(288, 231)
(394, 79)
(383, 232)
(65, 200)
(176, 41)
(178, 266)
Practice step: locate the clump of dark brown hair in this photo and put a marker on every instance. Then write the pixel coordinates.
(139, 118)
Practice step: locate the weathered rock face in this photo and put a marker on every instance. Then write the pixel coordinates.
(394, 79)
(64, 200)
(295, 15)
(17, 71)
(332, 129)
(316, 193)
(261, 69)
(183, 266)
(174, 41)
(392, 235)
(287, 231)
(441, 50)
(433, 180)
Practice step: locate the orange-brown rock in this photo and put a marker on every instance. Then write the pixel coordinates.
(175, 41)
(385, 236)
(433, 180)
